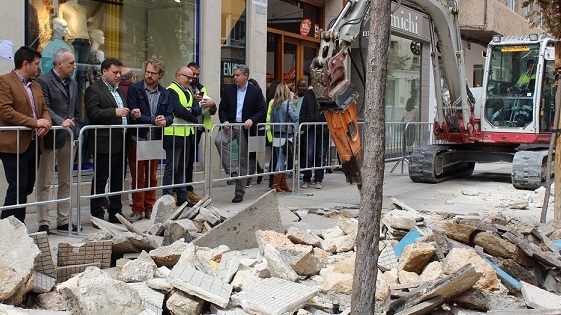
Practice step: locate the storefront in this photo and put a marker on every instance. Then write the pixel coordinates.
(131, 30)
(408, 80)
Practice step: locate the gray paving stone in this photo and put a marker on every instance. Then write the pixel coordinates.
(387, 259)
(43, 283)
(238, 231)
(200, 284)
(152, 300)
(274, 296)
(85, 253)
(44, 263)
(67, 272)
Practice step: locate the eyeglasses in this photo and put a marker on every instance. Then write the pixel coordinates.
(150, 73)
(187, 76)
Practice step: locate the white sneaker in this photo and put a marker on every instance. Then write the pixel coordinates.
(305, 185)
(318, 185)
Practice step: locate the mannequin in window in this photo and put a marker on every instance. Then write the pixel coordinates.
(59, 28)
(96, 56)
(77, 35)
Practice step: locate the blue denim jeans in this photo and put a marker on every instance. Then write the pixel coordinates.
(315, 143)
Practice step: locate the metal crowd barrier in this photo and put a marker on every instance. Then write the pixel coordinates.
(38, 199)
(150, 151)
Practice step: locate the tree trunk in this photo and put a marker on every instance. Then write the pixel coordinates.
(372, 172)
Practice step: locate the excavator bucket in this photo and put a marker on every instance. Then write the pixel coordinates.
(343, 127)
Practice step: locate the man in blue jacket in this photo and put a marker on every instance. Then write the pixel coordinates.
(149, 103)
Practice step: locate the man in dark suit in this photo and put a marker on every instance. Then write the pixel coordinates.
(105, 106)
(240, 102)
(149, 103)
(61, 95)
(21, 104)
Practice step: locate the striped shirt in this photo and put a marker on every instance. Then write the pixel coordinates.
(115, 92)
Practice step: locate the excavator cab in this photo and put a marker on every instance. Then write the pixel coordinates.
(517, 88)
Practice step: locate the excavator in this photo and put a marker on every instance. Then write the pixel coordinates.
(509, 119)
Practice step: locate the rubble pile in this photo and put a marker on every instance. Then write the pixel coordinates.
(427, 264)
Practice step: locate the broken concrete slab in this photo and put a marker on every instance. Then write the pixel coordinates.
(278, 264)
(85, 253)
(238, 232)
(152, 301)
(17, 260)
(127, 224)
(160, 284)
(163, 209)
(539, 298)
(400, 219)
(508, 280)
(168, 255)
(228, 266)
(499, 247)
(448, 287)
(67, 272)
(312, 263)
(245, 279)
(459, 257)
(338, 277)
(202, 285)
(179, 230)
(298, 236)
(416, 256)
(274, 296)
(556, 311)
(182, 303)
(459, 232)
(141, 269)
(44, 263)
(95, 292)
(423, 307)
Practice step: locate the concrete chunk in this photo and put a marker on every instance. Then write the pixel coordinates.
(168, 255)
(228, 266)
(274, 296)
(298, 236)
(238, 232)
(152, 300)
(278, 265)
(43, 283)
(163, 209)
(182, 303)
(67, 272)
(538, 298)
(197, 283)
(387, 259)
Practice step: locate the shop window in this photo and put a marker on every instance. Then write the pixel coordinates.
(233, 35)
(294, 17)
(131, 30)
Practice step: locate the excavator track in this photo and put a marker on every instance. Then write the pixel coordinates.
(432, 164)
(529, 169)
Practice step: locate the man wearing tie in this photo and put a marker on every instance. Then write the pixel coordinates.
(105, 106)
(21, 104)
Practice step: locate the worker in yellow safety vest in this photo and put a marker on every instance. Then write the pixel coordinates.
(178, 136)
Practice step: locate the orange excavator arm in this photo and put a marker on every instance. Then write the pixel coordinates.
(335, 94)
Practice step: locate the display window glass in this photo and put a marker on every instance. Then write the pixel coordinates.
(130, 30)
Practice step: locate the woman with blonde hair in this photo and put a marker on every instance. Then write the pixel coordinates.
(282, 112)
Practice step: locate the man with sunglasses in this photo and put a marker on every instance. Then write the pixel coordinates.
(177, 140)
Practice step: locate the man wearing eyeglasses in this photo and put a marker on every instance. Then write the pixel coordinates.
(149, 103)
(177, 140)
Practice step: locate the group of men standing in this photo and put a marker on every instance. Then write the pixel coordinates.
(52, 99)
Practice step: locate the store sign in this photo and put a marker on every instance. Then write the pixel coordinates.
(227, 73)
(305, 27)
(404, 21)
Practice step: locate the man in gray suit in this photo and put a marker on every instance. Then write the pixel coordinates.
(61, 95)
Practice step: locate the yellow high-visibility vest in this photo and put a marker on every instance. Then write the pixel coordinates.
(268, 120)
(176, 130)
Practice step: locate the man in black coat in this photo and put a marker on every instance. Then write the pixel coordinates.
(240, 103)
(106, 106)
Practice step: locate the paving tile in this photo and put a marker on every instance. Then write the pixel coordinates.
(387, 259)
(67, 272)
(152, 300)
(43, 283)
(199, 284)
(274, 296)
(44, 262)
(90, 252)
(539, 298)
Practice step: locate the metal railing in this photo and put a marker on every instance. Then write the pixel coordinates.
(259, 157)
